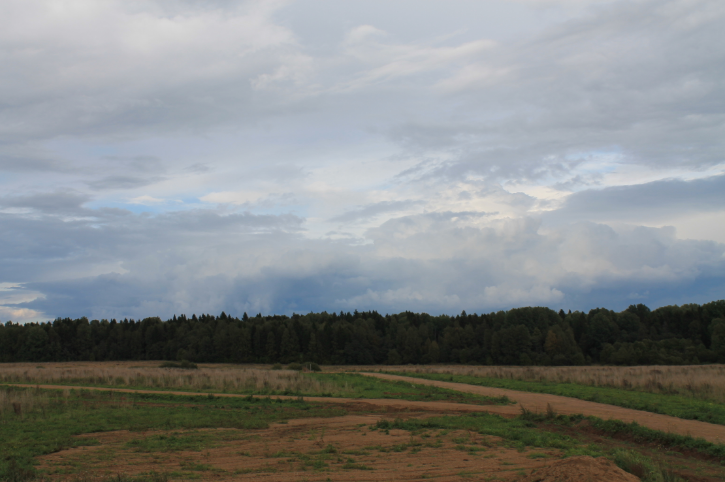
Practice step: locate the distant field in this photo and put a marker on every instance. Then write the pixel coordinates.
(241, 379)
(704, 382)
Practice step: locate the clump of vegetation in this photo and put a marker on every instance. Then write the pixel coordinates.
(277, 366)
(313, 367)
(309, 366)
(186, 364)
(643, 467)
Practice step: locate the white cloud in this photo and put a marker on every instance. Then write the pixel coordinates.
(146, 200)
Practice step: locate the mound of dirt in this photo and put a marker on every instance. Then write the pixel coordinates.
(581, 469)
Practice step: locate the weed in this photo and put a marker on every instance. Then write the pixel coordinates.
(643, 467)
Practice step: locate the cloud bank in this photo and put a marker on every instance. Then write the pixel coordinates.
(281, 156)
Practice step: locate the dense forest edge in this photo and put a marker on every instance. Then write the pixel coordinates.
(671, 335)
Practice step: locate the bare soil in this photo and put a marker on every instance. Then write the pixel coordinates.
(341, 448)
(580, 469)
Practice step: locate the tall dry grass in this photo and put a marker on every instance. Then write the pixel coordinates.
(22, 402)
(705, 382)
(223, 379)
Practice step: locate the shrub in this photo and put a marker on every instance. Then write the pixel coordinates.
(295, 366)
(277, 366)
(643, 467)
(313, 367)
(183, 364)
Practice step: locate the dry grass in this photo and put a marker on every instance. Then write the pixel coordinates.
(22, 402)
(705, 382)
(232, 379)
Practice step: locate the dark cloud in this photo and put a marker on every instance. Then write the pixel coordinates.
(122, 182)
(654, 201)
(59, 202)
(23, 164)
(139, 164)
(431, 264)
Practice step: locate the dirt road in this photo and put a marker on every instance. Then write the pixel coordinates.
(537, 402)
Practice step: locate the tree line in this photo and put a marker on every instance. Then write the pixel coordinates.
(671, 335)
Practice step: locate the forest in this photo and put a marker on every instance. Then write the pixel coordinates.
(670, 335)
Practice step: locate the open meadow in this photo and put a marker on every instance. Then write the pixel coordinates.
(136, 421)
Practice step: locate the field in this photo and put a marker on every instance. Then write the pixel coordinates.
(703, 382)
(250, 422)
(688, 394)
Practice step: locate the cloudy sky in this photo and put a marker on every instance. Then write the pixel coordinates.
(189, 156)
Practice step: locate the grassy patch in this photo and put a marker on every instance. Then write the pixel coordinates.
(517, 433)
(178, 441)
(673, 405)
(352, 385)
(633, 432)
(644, 467)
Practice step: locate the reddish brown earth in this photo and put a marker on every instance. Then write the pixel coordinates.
(538, 402)
(313, 449)
(580, 469)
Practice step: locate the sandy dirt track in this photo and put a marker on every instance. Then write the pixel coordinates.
(537, 402)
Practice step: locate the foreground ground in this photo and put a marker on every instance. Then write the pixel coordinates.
(65, 434)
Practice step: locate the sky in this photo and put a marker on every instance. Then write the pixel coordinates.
(189, 156)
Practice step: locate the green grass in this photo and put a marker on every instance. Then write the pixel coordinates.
(517, 433)
(634, 432)
(346, 385)
(54, 421)
(178, 441)
(539, 431)
(673, 405)
(644, 467)
(352, 385)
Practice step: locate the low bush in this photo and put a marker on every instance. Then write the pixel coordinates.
(186, 364)
(313, 367)
(643, 467)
